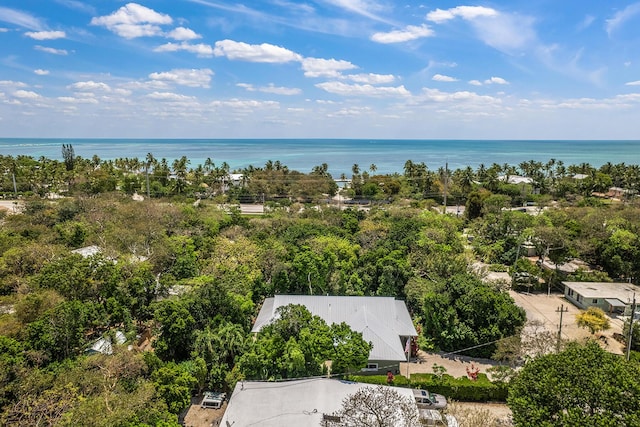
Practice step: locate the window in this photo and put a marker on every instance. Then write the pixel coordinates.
(595, 301)
(370, 367)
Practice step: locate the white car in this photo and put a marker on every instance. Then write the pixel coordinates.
(428, 400)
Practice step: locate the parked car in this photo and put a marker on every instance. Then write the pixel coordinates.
(433, 418)
(428, 400)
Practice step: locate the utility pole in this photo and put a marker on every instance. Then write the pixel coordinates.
(446, 178)
(560, 310)
(633, 315)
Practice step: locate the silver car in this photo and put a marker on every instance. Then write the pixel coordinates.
(428, 400)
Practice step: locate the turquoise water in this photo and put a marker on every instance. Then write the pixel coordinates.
(302, 154)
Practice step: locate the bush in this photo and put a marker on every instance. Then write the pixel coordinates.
(398, 380)
(462, 389)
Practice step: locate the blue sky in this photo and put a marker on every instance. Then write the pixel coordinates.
(535, 69)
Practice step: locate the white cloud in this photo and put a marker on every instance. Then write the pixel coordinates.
(90, 86)
(72, 100)
(271, 88)
(475, 82)
(496, 80)
(51, 50)
(145, 86)
(241, 104)
(254, 53)
(502, 31)
(351, 112)
(45, 35)
(200, 49)
(123, 92)
(468, 13)
(365, 8)
(344, 89)
(635, 83)
(4, 30)
(182, 33)
(41, 72)
(622, 17)
(11, 83)
(411, 32)
(26, 94)
(465, 97)
(133, 20)
(586, 22)
(443, 78)
(318, 67)
(185, 77)
(506, 33)
(170, 96)
(20, 19)
(371, 78)
(78, 5)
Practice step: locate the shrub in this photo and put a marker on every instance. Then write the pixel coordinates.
(462, 389)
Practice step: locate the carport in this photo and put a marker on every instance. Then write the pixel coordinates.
(615, 305)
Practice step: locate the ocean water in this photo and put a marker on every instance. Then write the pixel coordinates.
(389, 156)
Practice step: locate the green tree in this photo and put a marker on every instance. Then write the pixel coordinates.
(69, 156)
(174, 384)
(351, 351)
(176, 330)
(61, 331)
(463, 312)
(297, 344)
(580, 386)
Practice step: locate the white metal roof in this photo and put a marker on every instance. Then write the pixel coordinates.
(87, 251)
(621, 291)
(381, 320)
(290, 403)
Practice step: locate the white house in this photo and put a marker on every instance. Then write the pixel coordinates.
(290, 403)
(610, 297)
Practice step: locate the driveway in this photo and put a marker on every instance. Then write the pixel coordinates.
(546, 309)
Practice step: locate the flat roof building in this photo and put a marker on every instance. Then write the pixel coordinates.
(291, 403)
(611, 297)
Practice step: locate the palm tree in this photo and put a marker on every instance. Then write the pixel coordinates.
(231, 341)
(481, 172)
(409, 169)
(373, 168)
(208, 165)
(180, 170)
(466, 180)
(150, 160)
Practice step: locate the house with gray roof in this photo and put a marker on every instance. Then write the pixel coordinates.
(308, 402)
(610, 297)
(290, 403)
(383, 321)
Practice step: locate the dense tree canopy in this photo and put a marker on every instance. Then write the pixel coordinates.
(184, 271)
(582, 385)
(464, 312)
(298, 343)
